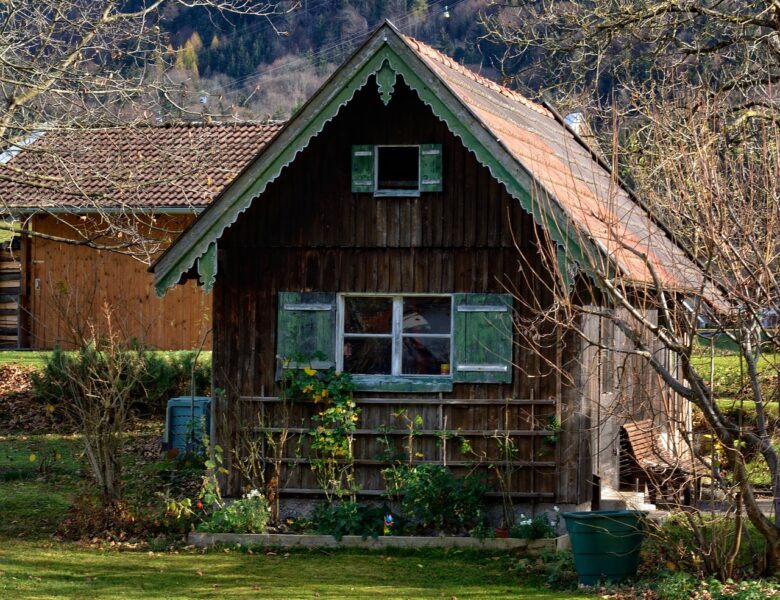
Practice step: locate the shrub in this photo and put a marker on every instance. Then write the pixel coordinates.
(349, 518)
(703, 552)
(249, 514)
(160, 376)
(536, 528)
(434, 498)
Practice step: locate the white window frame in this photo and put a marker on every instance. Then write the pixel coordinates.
(413, 193)
(396, 333)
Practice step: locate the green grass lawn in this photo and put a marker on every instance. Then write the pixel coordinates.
(39, 477)
(47, 570)
(36, 358)
(23, 358)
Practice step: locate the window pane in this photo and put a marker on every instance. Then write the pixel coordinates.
(398, 168)
(427, 315)
(368, 356)
(368, 315)
(426, 356)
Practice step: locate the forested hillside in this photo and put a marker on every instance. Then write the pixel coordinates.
(250, 67)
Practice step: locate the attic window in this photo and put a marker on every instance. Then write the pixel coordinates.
(398, 169)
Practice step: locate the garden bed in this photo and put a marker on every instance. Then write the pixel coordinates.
(280, 540)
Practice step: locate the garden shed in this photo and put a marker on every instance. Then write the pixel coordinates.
(398, 228)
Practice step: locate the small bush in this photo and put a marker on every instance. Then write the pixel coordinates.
(249, 514)
(434, 498)
(535, 528)
(349, 518)
(676, 545)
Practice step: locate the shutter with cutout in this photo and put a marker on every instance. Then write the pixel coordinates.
(362, 168)
(306, 326)
(430, 168)
(482, 338)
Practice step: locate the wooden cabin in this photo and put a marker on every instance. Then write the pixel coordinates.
(396, 229)
(130, 188)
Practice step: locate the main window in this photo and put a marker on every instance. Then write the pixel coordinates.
(395, 335)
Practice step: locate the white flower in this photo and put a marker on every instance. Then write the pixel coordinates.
(522, 515)
(556, 509)
(253, 494)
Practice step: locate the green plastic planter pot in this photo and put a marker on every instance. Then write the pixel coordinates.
(605, 543)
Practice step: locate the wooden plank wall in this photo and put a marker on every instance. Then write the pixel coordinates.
(70, 284)
(308, 232)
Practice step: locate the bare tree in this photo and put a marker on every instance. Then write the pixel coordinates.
(72, 65)
(94, 390)
(729, 48)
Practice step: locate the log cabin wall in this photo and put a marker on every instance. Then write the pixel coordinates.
(68, 285)
(309, 232)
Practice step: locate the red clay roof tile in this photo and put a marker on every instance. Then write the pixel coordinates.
(148, 167)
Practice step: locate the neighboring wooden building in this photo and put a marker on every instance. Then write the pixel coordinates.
(143, 185)
(383, 228)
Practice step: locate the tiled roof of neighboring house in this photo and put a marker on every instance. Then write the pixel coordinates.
(148, 167)
(569, 172)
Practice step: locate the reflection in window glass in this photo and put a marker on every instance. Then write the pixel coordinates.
(426, 356)
(368, 356)
(368, 315)
(427, 315)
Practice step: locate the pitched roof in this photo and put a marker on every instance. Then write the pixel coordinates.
(570, 174)
(526, 146)
(141, 167)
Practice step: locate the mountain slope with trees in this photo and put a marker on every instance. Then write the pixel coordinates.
(249, 67)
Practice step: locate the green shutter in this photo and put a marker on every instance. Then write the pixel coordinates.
(430, 168)
(362, 168)
(306, 326)
(482, 338)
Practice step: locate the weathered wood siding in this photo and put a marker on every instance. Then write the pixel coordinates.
(10, 293)
(70, 284)
(308, 232)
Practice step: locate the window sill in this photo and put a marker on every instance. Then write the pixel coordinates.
(397, 194)
(403, 383)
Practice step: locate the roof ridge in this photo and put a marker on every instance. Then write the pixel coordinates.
(450, 63)
(168, 125)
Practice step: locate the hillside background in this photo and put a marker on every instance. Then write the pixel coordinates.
(233, 67)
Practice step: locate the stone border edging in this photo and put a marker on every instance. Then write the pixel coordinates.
(280, 540)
